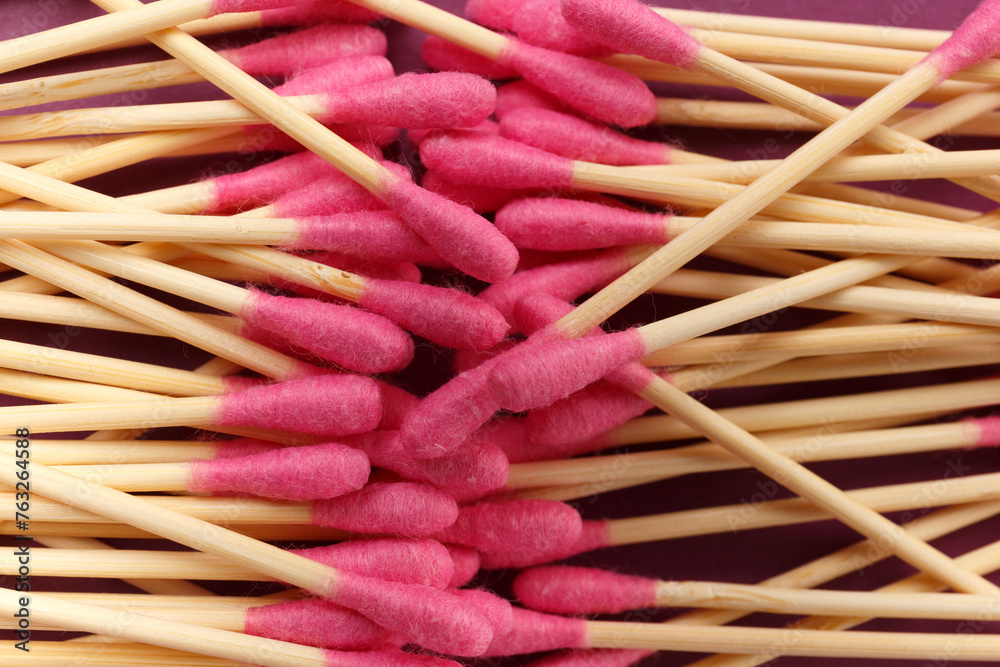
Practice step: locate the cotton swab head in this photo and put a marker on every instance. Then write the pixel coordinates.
(593, 535)
(312, 12)
(466, 361)
(478, 198)
(329, 195)
(392, 508)
(445, 56)
(291, 473)
(377, 235)
(519, 384)
(579, 139)
(424, 562)
(344, 73)
(304, 49)
(369, 268)
(431, 618)
(630, 27)
(540, 22)
(385, 657)
(537, 526)
(466, 563)
(583, 590)
(494, 608)
(350, 337)
(522, 95)
(977, 38)
(241, 6)
(496, 14)
(323, 405)
(317, 622)
(488, 126)
(532, 632)
(449, 317)
(590, 87)
(396, 404)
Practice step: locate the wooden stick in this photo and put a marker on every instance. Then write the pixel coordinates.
(263, 532)
(55, 452)
(110, 654)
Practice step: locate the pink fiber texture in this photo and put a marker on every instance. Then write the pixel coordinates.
(540, 22)
(488, 126)
(574, 423)
(466, 562)
(537, 526)
(496, 14)
(241, 382)
(478, 198)
(593, 535)
(445, 56)
(497, 611)
(324, 405)
(377, 135)
(532, 632)
(316, 622)
(630, 27)
(475, 158)
(348, 336)
(329, 195)
(393, 508)
(440, 99)
(338, 75)
(459, 235)
(977, 39)
(446, 316)
(559, 224)
(368, 268)
(240, 6)
(396, 404)
(464, 360)
(583, 590)
(231, 449)
(989, 431)
(579, 139)
(565, 281)
(450, 415)
(525, 379)
(428, 617)
(522, 95)
(257, 186)
(507, 433)
(290, 473)
(423, 562)
(310, 12)
(605, 657)
(593, 88)
(385, 658)
(378, 235)
(287, 54)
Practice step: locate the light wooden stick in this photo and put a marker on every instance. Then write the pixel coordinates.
(263, 532)
(111, 653)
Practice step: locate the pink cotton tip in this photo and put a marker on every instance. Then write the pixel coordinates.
(466, 562)
(290, 473)
(583, 590)
(989, 431)
(579, 139)
(497, 611)
(557, 224)
(328, 195)
(465, 360)
(478, 198)
(976, 39)
(424, 562)
(396, 404)
(459, 235)
(369, 268)
(488, 126)
(565, 281)
(377, 135)
(535, 526)
(496, 14)
(523, 95)
(311, 12)
(537, 311)
(385, 658)
(448, 317)
(324, 405)
(441, 99)
(449, 416)
(532, 632)
(428, 617)
(316, 622)
(377, 235)
(593, 535)
(591, 87)
(231, 449)
(338, 75)
(286, 54)
(257, 186)
(570, 424)
(605, 657)
(350, 337)
(630, 27)
(525, 379)
(508, 434)
(495, 162)
(540, 22)
(471, 471)
(445, 56)
(392, 508)
(241, 6)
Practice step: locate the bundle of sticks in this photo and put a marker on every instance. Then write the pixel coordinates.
(550, 332)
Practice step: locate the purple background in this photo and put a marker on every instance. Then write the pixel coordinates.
(747, 557)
